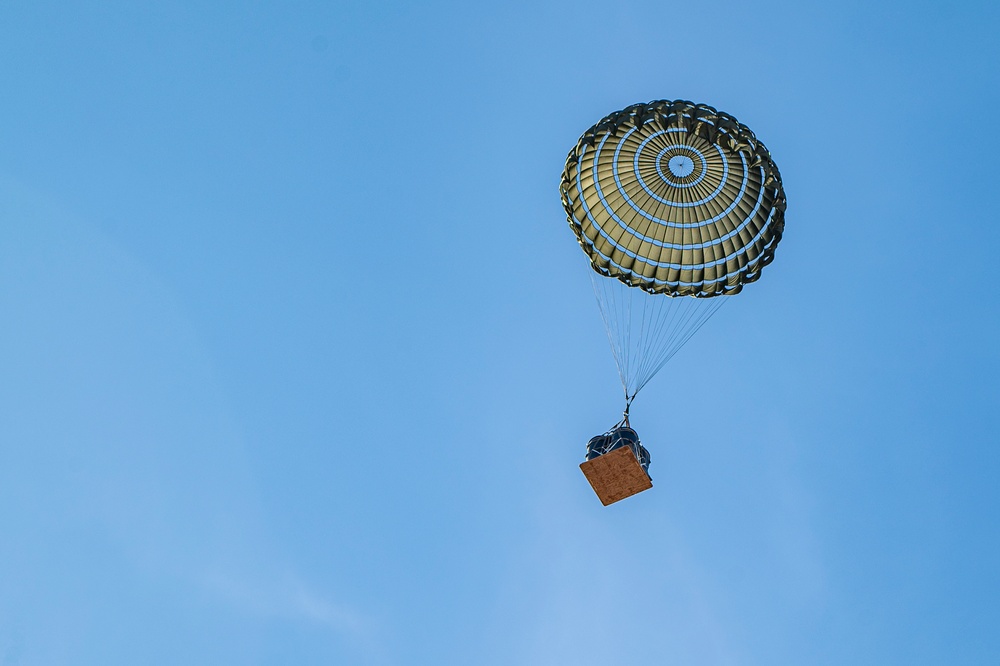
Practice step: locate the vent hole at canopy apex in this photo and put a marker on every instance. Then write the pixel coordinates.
(681, 166)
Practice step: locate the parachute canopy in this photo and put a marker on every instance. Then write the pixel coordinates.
(675, 198)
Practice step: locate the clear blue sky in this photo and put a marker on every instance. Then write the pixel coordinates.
(299, 356)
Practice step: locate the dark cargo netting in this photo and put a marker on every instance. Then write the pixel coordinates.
(615, 438)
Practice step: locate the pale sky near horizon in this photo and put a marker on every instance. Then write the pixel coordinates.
(299, 355)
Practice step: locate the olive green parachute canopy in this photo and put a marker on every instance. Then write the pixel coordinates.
(669, 200)
(675, 198)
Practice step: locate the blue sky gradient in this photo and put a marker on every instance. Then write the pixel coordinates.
(300, 355)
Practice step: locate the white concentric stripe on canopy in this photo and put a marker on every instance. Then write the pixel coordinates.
(627, 228)
(659, 170)
(657, 263)
(721, 233)
(616, 243)
(749, 266)
(636, 169)
(704, 227)
(616, 174)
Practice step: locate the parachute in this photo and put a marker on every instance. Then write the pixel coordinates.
(675, 205)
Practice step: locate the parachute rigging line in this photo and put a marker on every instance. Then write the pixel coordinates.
(677, 206)
(646, 330)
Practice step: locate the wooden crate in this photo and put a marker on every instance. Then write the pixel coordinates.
(616, 475)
